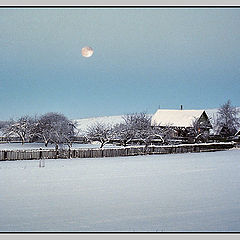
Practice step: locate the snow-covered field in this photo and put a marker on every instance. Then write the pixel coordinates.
(179, 192)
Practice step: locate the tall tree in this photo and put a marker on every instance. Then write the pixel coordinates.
(56, 128)
(124, 133)
(198, 131)
(136, 126)
(228, 118)
(100, 132)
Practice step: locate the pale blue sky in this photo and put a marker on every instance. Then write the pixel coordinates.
(142, 58)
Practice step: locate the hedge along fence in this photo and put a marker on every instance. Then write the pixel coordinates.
(110, 152)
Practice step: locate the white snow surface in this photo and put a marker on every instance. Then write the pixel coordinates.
(155, 193)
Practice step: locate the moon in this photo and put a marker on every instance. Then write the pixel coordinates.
(87, 52)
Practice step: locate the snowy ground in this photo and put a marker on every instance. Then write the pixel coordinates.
(178, 192)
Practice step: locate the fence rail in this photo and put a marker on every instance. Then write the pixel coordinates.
(6, 155)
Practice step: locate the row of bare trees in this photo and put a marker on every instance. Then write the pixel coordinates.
(56, 128)
(135, 127)
(49, 127)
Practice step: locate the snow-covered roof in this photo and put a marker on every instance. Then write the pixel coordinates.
(177, 118)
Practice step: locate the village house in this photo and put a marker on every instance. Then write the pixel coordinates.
(182, 122)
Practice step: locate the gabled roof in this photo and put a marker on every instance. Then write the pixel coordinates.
(176, 118)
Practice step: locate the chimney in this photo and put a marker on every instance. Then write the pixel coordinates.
(181, 107)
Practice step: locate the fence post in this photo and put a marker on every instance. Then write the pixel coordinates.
(40, 153)
(5, 155)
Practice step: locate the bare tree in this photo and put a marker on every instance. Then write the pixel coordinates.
(167, 133)
(3, 124)
(56, 128)
(43, 128)
(136, 126)
(22, 127)
(137, 121)
(228, 117)
(100, 132)
(124, 133)
(63, 131)
(199, 130)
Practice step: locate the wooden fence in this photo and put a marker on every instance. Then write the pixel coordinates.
(110, 152)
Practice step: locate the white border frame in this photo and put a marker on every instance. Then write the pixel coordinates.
(115, 3)
(120, 2)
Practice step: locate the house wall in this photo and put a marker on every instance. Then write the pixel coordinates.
(204, 121)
